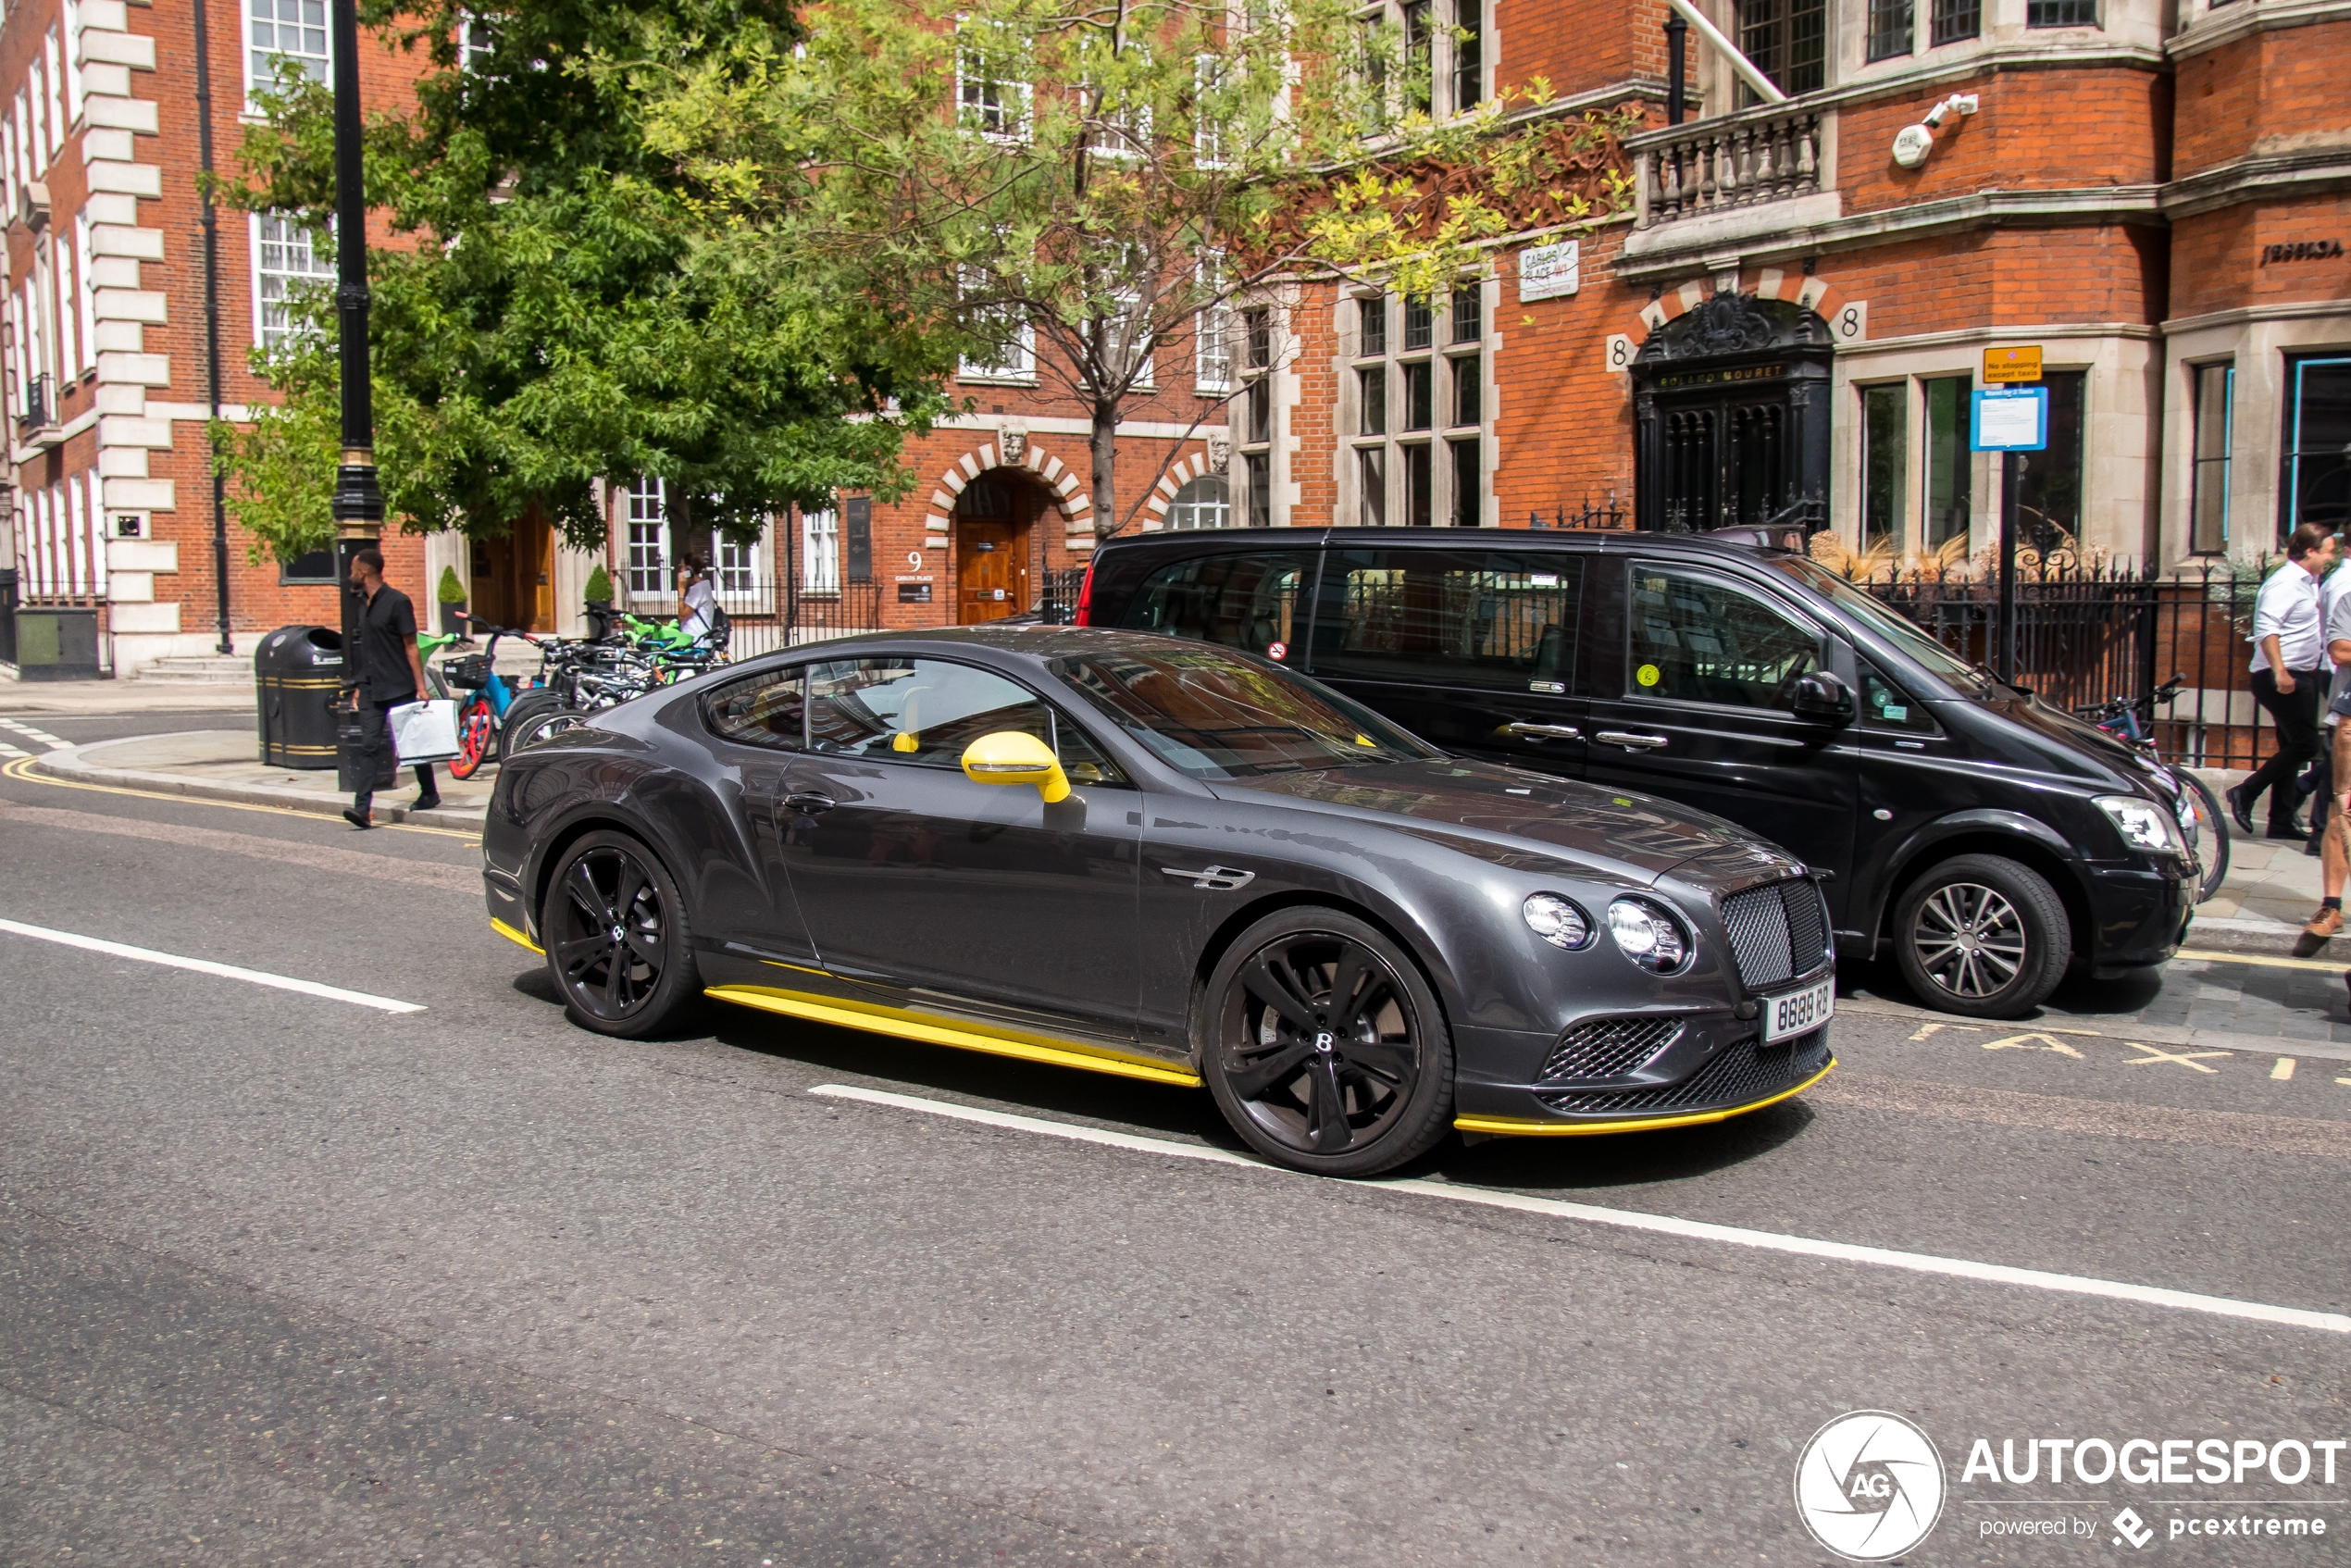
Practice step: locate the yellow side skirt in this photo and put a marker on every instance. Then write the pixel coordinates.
(917, 1025)
(517, 937)
(1511, 1127)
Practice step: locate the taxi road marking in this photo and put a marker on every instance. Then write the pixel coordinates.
(2284, 1069)
(1626, 1219)
(2184, 1058)
(2026, 1042)
(207, 966)
(2317, 965)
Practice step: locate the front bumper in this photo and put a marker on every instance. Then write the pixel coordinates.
(1744, 1075)
(2138, 916)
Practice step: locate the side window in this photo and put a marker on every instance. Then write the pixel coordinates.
(1886, 706)
(1246, 601)
(1697, 640)
(928, 711)
(766, 710)
(1493, 618)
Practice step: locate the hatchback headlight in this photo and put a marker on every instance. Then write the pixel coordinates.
(1557, 921)
(2144, 825)
(1648, 936)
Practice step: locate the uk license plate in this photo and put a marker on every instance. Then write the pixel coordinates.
(1799, 1013)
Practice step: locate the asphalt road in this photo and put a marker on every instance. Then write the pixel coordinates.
(293, 1279)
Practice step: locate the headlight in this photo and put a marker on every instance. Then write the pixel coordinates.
(2142, 824)
(1557, 921)
(1647, 935)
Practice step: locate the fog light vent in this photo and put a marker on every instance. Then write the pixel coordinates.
(1609, 1048)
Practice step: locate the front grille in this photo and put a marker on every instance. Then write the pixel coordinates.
(1609, 1048)
(1777, 931)
(1741, 1073)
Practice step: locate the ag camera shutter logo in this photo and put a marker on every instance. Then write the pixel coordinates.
(1870, 1485)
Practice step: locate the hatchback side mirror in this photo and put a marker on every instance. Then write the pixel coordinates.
(1824, 697)
(1010, 757)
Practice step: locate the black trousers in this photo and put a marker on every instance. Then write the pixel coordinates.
(2297, 715)
(382, 755)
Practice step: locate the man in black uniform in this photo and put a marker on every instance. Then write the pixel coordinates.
(389, 674)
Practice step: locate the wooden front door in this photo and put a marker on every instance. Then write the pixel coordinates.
(992, 569)
(514, 577)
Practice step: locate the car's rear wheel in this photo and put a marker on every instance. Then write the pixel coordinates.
(614, 926)
(1984, 936)
(1323, 1045)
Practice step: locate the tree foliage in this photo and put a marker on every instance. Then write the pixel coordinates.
(556, 303)
(1109, 179)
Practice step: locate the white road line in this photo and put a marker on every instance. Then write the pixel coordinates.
(29, 733)
(8, 750)
(1662, 1224)
(206, 967)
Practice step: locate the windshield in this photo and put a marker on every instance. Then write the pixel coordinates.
(1888, 623)
(1209, 715)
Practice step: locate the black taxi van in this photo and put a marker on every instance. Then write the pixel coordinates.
(1991, 842)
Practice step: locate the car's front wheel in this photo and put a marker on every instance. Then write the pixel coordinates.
(1984, 936)
(1323, 1045)
(614, 926)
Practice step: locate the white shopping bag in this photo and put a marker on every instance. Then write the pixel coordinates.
(425, 731)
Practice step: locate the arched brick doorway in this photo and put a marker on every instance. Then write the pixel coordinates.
(995, 533)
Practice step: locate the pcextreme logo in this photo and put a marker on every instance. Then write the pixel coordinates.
(1869, 1485)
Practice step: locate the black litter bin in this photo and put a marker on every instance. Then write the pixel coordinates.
(297, 675)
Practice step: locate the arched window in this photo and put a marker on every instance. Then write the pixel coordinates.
(1206, 503)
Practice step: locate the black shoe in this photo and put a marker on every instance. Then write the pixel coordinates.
(2288, 830)
(357, 817)
(2240, 808)
(2314, 846)
(432, 802)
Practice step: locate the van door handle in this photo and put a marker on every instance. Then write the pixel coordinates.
(810, 804)
(1630, 742)
(1543, 731)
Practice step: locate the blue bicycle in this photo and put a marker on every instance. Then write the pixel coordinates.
(2130, 721)
(481, 713)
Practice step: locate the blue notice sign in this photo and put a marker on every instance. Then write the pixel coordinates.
(2010, 419)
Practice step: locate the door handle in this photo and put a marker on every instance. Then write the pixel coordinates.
(1543, 731)
(1630, 742)
(810, 804)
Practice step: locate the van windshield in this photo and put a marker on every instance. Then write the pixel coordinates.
(1888, 623)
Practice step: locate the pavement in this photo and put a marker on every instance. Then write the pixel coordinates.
(397, 1265)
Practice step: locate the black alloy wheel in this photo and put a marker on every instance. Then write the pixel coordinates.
(1324, 1047)
(614, 929)
(1982, 935)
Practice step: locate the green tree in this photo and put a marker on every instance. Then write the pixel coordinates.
(554, 304)
(1064, 188)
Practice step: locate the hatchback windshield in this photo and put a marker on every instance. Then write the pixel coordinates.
(1211, 715)
(1886, 622)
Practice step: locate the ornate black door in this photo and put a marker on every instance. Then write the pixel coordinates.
(1731, 411)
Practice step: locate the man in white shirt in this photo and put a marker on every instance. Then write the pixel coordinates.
(2290, 674)
(2333, 840)
(2318, 785)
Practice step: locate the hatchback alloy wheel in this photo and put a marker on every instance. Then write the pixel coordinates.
(1326, 1044)
(1969, 940)
(614, 928)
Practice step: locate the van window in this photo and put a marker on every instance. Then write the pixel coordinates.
(1500, 619)
(1698, 640)
(1886, 706)
(1243, 600)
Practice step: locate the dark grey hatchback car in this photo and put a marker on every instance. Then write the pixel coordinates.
(1170, 862)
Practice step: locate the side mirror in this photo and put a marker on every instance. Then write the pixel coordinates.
(1010, 757)
(1824, 697)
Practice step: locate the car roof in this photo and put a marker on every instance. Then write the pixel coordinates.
(1031, 639)
(1193, 540)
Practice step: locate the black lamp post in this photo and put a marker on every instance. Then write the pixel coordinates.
(358, 503)
(1677, 43)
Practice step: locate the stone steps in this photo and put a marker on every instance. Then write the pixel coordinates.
(197, 670)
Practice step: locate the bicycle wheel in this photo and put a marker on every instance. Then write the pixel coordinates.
(537, 727)
(477, 737)
(2209, 836)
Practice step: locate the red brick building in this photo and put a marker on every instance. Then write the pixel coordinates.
(1784, 324)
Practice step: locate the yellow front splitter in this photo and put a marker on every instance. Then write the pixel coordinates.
(1510, 1126)
(511, 935)
(898, 1020)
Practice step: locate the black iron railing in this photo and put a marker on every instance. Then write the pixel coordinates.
(2087, 636)
(1057, 595)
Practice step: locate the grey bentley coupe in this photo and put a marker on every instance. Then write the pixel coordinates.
(1173, 862)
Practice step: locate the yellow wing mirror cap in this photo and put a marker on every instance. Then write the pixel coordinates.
(1010, 757)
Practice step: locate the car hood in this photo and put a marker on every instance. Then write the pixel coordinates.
(2058, 743)
(1634, 835)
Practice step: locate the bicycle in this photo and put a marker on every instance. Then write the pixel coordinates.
(2201, 816)
(481, 713)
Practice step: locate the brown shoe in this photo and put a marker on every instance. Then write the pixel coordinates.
(2324, 926)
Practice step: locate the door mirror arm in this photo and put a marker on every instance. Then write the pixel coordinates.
(1826, 697)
